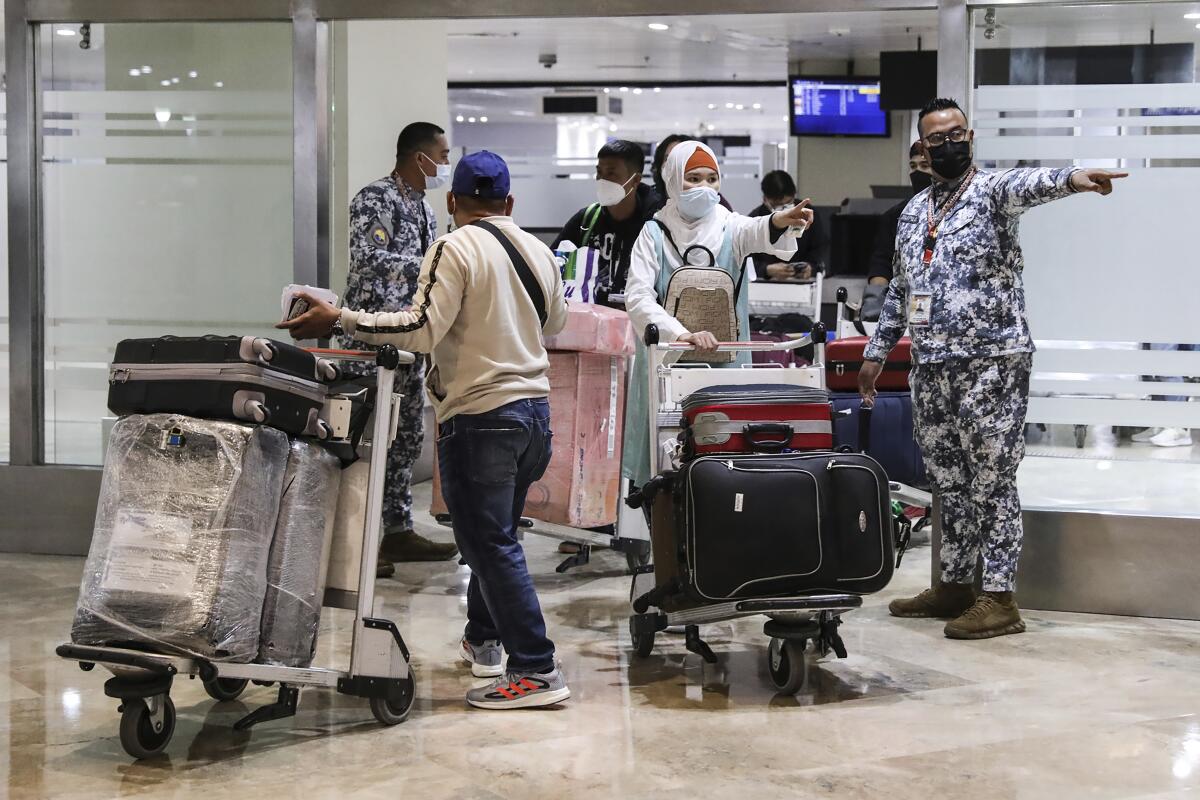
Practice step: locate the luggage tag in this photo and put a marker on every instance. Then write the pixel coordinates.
(919, 306)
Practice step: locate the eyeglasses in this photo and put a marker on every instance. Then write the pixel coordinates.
(937, 138)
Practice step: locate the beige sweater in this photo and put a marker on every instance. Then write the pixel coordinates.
(472, 313)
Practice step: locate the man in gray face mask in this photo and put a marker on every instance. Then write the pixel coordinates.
(957, 288)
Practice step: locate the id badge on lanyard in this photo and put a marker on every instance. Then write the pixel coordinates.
(920, 305)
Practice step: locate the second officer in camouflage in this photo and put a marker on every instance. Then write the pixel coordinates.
(957, 288)
(391, 227)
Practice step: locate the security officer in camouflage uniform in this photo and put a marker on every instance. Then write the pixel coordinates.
(391, 227)
(958, 289)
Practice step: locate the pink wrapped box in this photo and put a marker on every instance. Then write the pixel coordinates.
(582, 485)
(594, 329)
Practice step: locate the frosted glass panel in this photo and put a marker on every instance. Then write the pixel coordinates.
(167, 199)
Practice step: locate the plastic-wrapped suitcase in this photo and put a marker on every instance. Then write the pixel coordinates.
(844, 359)
(222, 377)
(178, 560)
(759, 526)
(299, 556)
(890, 439)
(762, 418)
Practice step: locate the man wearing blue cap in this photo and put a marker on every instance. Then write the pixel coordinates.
(486, 294)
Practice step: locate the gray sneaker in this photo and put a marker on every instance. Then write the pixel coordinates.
(483, 658)
(521, 690)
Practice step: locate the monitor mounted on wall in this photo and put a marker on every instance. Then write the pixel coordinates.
(836, 106)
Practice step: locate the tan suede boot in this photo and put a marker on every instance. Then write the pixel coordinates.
(944, 601)
(994, 614)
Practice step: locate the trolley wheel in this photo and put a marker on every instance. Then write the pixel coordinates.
(638, 556)
(643, 643)
(390, 713)
(787, 664)
(225, 689)
(1080, 436)
(139, 737)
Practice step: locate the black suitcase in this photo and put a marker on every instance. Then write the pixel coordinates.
(758, 526)
(223, 377)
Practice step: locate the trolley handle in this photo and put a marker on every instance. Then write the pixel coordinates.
(381, 357)
(797, 341)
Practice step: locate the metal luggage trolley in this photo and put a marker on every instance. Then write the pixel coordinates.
(379, 659)
(792, 621)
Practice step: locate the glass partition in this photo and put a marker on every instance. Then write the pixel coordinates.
(1110, 303)
(167, 199)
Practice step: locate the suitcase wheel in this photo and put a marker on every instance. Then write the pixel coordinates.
(327, 370)
(256, 411)
(264, 349)
(787, 665)
(324, 430)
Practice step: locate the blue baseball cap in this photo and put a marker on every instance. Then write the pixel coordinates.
(483, 174)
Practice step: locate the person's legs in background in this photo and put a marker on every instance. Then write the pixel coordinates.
(935, 418)
(400, 542)
(994, 401)
(1167, 437)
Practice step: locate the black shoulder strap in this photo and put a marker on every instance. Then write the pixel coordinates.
(532, 287)
(670, 238)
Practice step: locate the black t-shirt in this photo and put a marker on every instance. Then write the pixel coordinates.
(880, 265)
(612, 239)
(810, 248)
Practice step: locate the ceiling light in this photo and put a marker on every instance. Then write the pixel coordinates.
(163, 115)
(470, 119)
(1198, 24)
(756, 106)
(624, 88)
(612, 128)
(657, 89)
(135, 73)
(783, 146)
(740, 107)
(607, 90)
(711, 106)
(711, 127)
(659, 26)
(65, 32)
(483, 119)
(729, 105)
(193, 74)
(219, 84)
(1192, 15)
(459, 118)
(637, 91)
(166, 83)
(174, 80)
(146, 70)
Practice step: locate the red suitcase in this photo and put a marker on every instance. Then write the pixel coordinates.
(757, 418)
(844, 358)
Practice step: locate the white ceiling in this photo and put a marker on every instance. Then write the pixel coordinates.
(733, 47)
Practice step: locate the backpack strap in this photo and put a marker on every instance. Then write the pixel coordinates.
(591, 216)
(521, 267)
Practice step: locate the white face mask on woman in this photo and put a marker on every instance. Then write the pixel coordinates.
(698, 202)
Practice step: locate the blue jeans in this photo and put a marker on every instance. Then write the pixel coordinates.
(487, 463)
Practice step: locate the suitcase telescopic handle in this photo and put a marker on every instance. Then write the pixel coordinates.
(751, 431)
(864, 427)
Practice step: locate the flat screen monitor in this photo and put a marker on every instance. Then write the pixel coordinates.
(837, 107)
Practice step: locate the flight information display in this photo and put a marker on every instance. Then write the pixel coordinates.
(837, 107)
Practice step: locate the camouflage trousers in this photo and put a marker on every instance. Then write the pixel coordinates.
(410, 436)
(970, 423)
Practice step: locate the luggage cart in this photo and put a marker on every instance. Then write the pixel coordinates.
(379, 659)
(792, 621)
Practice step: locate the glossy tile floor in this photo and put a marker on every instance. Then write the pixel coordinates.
(1080, 707)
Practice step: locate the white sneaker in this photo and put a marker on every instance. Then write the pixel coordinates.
(1146, 435)
(1173, 437)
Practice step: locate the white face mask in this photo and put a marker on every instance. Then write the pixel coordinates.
(609, 193)
(698, 202)
(438, 180)
(782, 207)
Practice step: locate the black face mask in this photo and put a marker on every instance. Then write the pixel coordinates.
(950, 160)
(919, 180)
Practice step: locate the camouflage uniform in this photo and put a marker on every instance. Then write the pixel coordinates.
(391, 227)
(972, 361)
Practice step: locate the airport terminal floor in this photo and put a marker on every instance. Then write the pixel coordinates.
(1081, 706)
